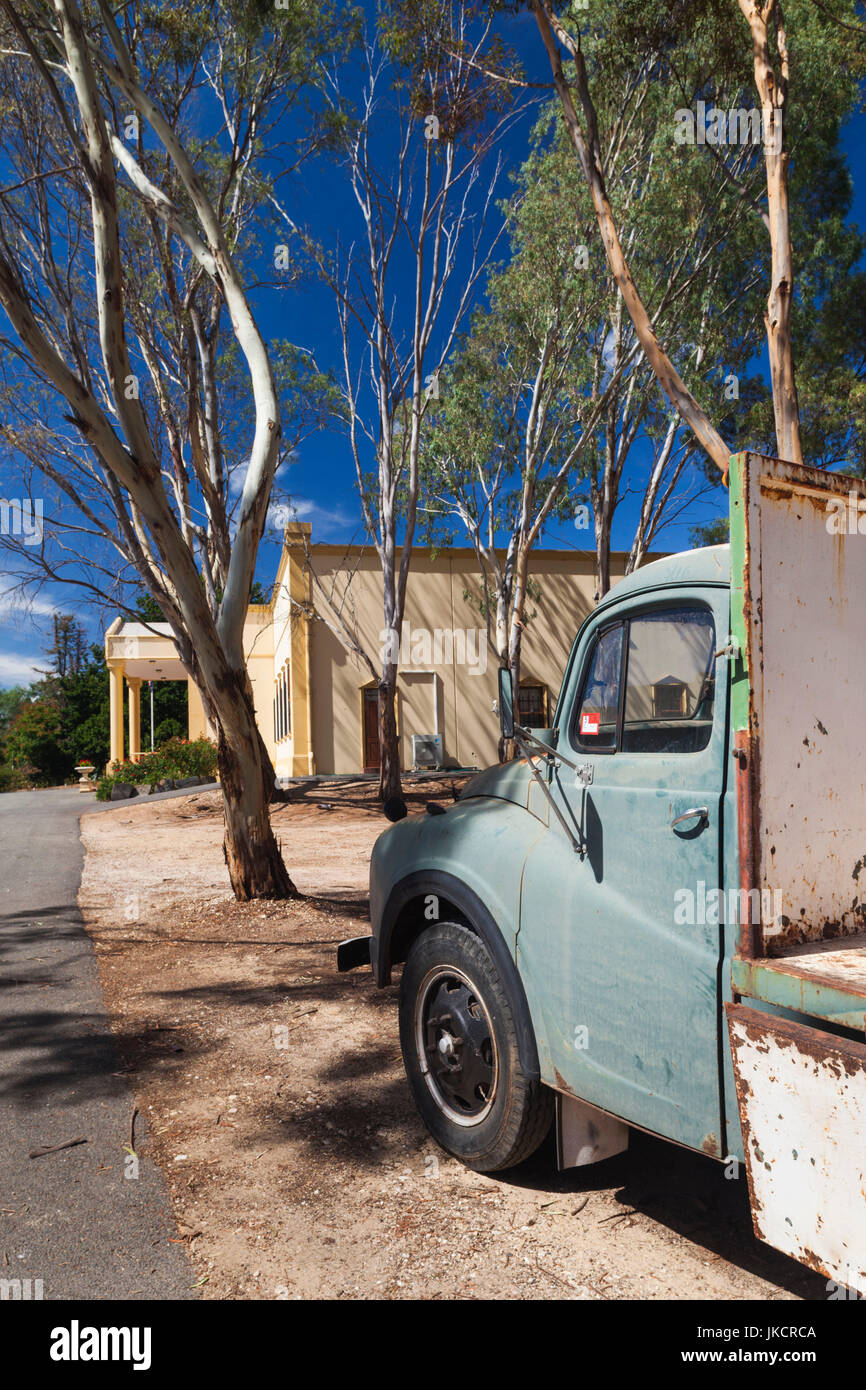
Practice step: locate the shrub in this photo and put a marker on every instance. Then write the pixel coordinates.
(185, 758)
(176, 758)
(12, 779)
(34, 742)
(168, 728)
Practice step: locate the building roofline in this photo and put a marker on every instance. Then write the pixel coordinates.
(297, 538)
(329, 548)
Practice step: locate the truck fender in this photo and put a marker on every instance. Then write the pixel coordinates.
(478, 919)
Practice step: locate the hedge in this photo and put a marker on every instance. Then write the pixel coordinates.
(178, 757)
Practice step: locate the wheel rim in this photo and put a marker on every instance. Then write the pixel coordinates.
(456, 1045)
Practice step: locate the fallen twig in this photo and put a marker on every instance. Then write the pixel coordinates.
(55, 1148)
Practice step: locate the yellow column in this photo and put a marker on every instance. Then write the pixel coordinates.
(300, 588)
(115, 721)
(196, 722)
(134, 684)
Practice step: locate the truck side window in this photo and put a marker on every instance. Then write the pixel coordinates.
(670, 684)
(597, 709)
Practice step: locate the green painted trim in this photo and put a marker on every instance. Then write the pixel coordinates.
(760, 981)
(740, 668)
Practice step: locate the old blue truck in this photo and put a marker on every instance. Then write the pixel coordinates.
(653, 916)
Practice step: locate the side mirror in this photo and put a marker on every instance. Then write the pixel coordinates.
(506, 703)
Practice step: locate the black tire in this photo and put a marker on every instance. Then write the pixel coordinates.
(460, 1051)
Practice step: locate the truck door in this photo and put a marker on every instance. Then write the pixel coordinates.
(620, 943)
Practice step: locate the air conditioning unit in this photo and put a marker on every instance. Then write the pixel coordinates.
(426, 750)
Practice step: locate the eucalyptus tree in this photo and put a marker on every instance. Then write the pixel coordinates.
(550, 392)
(139, 149)
(515, 411)
(702, 43)
(689, 218)
(417, 135)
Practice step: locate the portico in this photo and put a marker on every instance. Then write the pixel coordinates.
(138, 652)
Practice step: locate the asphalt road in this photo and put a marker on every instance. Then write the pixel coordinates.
(72, 1219)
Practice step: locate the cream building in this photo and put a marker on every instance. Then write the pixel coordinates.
(316, 699)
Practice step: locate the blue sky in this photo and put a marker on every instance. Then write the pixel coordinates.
(321, 478)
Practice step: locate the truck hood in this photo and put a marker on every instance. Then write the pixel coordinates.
(506, 781)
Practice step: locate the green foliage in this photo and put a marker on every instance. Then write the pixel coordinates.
(690, 220)
(716, 532)
(701, 50)
(170, 712)
(425, 40)
(35, 744)
(175, 759)
(147, 608)
(10, 702)
(11, 780)
(64, 720)
(83, 704)
(63, 723)
(68, 650)
(166, 729)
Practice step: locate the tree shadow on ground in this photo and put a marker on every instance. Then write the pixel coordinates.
(302, 989)
(686, 1192)
(72, 1057)
(365, 1115)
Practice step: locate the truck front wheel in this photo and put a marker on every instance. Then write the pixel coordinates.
(459, 1042)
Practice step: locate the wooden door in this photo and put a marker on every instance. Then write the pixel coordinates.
(372, 757)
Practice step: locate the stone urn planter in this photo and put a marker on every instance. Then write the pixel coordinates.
(85, 774)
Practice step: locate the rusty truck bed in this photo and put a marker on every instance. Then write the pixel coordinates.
(822, 979)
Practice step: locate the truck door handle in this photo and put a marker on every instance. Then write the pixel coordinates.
(690, 815)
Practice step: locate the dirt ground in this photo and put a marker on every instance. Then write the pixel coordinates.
(272, 1095)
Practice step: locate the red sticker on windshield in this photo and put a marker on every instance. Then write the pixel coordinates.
(589, 723)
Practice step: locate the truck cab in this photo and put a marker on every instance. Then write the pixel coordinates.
(651, 916)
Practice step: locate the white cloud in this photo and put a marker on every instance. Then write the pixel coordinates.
(14, 605)
(291, 457)
(237, 473)
(305, 509)
(19, 670)
(608, 351)
(279, 516)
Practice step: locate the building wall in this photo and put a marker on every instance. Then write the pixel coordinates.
(447, 680)
(459, 692)
(259, 649)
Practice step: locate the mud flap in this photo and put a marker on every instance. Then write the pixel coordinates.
(802, 1104)
(585, 1134)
